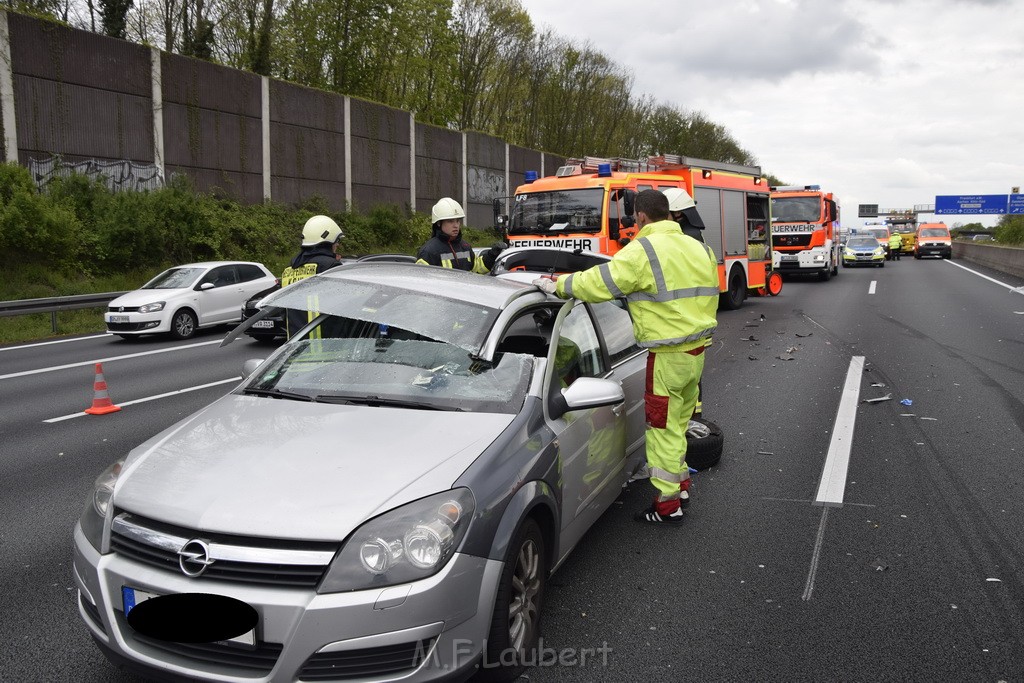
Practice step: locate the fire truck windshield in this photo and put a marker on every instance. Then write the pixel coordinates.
(557, 212)
(790, 209)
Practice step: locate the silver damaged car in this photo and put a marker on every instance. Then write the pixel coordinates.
(382, 498)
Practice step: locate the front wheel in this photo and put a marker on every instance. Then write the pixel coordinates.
(826, 274)
(183, 324)
(774, 283)
(515, 624)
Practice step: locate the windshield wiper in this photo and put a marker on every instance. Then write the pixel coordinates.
(377, 401)
(278, 393)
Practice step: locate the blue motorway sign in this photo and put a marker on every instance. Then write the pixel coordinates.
(971, 204)
(1016, 204)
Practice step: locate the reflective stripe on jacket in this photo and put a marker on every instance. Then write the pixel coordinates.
(669, 280)
(457, 254)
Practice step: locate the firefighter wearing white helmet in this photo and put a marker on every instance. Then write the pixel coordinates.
(319, 252)
(684, 212)
(446, 248)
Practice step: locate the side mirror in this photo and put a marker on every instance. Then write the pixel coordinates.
(628, 198)
(205, 286)
(249, 367)
(587, 392)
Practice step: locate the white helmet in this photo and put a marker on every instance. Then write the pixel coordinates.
(445, 209)
(678, 199)
(320, 229)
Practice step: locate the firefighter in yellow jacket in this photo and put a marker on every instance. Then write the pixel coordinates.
(670, 283)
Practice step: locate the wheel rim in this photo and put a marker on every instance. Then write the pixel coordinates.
(523, 608)
(774, 284)
(183, 324)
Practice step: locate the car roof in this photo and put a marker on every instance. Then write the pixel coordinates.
(213, 264)
(445, 283)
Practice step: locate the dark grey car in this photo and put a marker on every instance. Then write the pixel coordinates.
(383, 498)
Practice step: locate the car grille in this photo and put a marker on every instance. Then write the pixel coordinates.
(122, 309)
(388, 660)
(236, 559)
(260, 659)
(791, 240)
(125, 327)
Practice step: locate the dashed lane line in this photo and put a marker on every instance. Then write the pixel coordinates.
(871, 287)
(152, 398)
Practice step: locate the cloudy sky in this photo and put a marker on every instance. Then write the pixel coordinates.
(886, 102)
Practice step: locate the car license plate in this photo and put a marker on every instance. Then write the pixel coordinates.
(132, 597)
(263, 324)
(789, 257)
(118, 318)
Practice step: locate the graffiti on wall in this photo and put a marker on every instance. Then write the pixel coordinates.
(117, 175)
(485, 184)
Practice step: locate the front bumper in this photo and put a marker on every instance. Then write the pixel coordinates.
(427, 630)
(934, 250)
(136, 323)
(809, 261)
(863, 259)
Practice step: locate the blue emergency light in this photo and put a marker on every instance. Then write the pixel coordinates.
(604, 170)
(530, 176)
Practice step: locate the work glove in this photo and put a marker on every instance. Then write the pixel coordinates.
(491, 254)
(546, 285)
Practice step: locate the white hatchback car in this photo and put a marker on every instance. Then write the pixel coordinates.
(182, 299)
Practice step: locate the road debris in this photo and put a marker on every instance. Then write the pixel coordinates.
(878, 384)
(879, 565)
(994, 580)
(785, 357)
(933, 419)
(907, 402)
(792, 349)
(765, 453)
(907, 415)
(750, 338)
(804, 335)
(752, 357)
(887, 397)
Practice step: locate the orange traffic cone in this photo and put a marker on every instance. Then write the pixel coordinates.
(101, 404)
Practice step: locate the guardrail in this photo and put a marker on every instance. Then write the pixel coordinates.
(55, 304)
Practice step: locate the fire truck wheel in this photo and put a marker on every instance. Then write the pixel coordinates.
(733, 298)
(826, 274)
(774, 283)
(702, 453)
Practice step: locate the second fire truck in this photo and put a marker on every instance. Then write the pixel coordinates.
(805, 230)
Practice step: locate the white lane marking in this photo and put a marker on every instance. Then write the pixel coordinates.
(107, 360)
(986, 277)
(871, 287)
(819, 541)
(58, 341)
(833, 475)
(152, 398)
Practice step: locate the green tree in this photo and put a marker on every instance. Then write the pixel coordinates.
(113, 15)
(1010, 229)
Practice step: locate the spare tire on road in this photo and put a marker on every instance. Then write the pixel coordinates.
(704, 451)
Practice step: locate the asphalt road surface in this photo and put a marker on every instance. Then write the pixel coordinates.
(902, 562)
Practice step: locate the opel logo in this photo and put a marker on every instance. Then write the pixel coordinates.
(194, 558)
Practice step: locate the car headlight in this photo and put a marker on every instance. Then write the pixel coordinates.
(98, 507)
(879, 251)
(152, 308)
(849, 252)
(406, 544)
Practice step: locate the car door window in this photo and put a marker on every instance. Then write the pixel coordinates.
(617, 329)
(579, 350)
(248, 273)
(220, 276)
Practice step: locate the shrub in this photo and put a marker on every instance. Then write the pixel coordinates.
(1010, 229)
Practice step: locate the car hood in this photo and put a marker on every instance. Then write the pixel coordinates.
(287, 469)
(147, 296)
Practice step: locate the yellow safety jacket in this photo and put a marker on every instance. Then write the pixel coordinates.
(669, 281)
(895, 242)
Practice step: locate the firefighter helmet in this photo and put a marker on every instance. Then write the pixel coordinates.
(320, 229)
(678, 199)
(446, 209)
